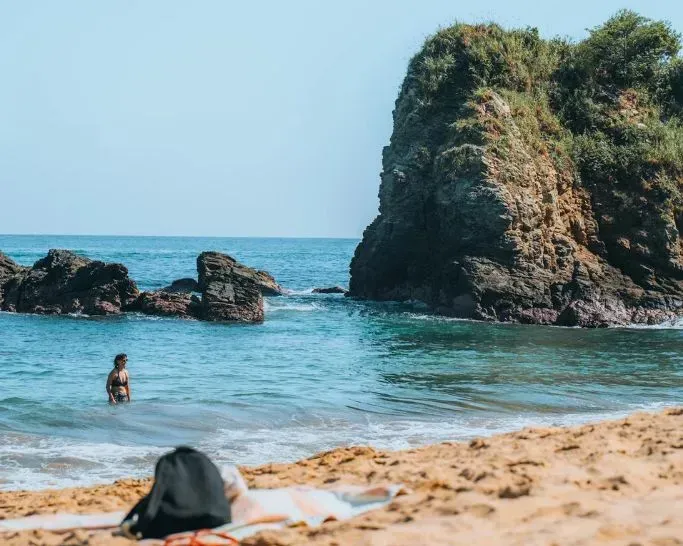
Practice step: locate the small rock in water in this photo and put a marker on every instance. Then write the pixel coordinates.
(330, 290)
(180, 286)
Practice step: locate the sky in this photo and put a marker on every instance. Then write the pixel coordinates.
(218, 118)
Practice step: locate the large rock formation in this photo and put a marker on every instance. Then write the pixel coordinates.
(63, 282)
(230, 290)
(534, 181)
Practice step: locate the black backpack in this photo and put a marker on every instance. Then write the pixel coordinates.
(187, 495)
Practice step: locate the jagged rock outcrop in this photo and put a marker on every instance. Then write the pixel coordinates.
(267, 284)
(528, 181)
(264, 280)
(8, 269)
(230, 291)
(64, 282)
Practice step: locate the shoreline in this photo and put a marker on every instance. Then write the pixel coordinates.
(607, 482)
(380, 444)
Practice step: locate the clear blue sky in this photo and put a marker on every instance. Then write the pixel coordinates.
(216, 117)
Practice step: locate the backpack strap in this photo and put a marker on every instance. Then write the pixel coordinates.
(196, 540)
(148, 507)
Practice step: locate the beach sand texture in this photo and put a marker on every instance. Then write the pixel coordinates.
(614, 482)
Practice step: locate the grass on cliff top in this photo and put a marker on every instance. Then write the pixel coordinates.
(462, 58)
(610, 105)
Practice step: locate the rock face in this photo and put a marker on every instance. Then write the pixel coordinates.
(168, 304)
(267, 284)
(330, 290)
(63, 282)
(8, 269)
(494, 203)
(231, 291)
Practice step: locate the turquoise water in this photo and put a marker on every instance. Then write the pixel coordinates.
(322, 371)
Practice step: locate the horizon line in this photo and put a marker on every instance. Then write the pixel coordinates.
(179, 236)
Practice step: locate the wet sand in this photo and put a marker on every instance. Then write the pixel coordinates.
(614, 482)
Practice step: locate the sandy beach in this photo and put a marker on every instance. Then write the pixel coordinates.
(613, 482)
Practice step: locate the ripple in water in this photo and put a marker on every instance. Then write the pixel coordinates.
(322, 371)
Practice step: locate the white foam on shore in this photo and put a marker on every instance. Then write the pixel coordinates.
(261, 446)
(35, 462)
(305, 292)
(676, 324)
(283, 305)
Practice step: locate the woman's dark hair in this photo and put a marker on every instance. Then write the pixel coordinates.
(118, 357)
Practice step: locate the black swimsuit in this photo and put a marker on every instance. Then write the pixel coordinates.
(119, 396)
(117, 382)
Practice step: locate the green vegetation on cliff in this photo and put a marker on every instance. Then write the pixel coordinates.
(609, 108)
(514, 156)
(613, 102)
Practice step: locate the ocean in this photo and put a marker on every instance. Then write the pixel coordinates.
(322, 371)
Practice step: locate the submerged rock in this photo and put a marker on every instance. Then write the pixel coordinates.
(330, 290)
(64, 282)
(496, 203)
(180, 286)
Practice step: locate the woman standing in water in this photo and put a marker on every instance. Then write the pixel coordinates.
(118, 381)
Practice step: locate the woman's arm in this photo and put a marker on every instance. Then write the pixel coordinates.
(128, 386)
(109, 380)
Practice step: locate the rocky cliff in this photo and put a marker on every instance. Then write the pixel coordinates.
(533, 180)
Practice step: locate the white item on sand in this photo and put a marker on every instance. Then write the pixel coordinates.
(63, 522)
(252, 510)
